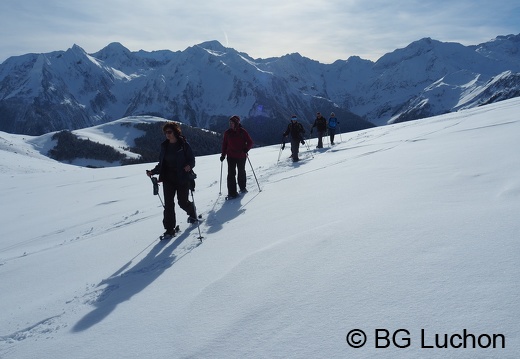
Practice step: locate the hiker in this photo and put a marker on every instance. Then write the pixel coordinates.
(296, 130)
(176, 161)
(333, 122)
(321, 126)
(235, 145)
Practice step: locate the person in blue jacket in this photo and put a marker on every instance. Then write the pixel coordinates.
(176, 161)
(332, 125)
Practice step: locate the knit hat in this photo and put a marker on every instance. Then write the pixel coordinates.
(235, 119)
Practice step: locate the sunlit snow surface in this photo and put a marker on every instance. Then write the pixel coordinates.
(410, 227)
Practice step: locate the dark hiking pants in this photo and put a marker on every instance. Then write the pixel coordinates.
(236, 165)
(182, 191)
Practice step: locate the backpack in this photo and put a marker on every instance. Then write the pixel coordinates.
(333, 121)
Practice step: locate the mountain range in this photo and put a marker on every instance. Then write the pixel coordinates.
(206, 83)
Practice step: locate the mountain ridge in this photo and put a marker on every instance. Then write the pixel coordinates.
(206, 83)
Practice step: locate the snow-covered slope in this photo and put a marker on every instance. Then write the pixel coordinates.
(410, 226)
(119, 135)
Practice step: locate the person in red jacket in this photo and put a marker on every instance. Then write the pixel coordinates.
(235, 145)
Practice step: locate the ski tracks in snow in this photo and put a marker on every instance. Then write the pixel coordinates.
(96, 301)
(44, 328)
(84, 231)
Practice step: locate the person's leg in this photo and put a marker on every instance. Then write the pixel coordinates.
(183, 200)
(242, 177)
(169, 220)
(231, 177)
(295, 148)
(320, 139)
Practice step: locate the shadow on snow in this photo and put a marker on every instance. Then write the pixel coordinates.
(125, 283)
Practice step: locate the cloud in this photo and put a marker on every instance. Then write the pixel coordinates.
(323, 30)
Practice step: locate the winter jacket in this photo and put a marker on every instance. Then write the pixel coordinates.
(296, 130)
(333, 121)
(320, 123)
(183, 156)
(237, 143)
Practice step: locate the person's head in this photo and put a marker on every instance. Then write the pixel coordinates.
(332, 114)
(318, 114)
(234, 122)
(294, 118)
(172, 130)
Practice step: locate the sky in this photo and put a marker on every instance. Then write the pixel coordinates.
(322, 30)
(409, 228)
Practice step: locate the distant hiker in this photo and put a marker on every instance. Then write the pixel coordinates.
(321, 126)
(176, 160)
(296, 130)
(235, 145)
(332, 124)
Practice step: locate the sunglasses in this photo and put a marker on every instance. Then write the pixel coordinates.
(168, 132)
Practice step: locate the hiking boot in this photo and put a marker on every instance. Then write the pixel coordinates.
(243, 190)
(169, 233)
(192, 219)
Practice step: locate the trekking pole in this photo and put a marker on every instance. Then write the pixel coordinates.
(308, 148)
(340, 137)
(195, 210)
(259, 189)
(307, 144)
(156, 188)
(326, 133)
(282, 146)
(221, 165)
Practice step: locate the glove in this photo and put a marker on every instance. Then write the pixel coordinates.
(222, 158)
(283, 146)
(302, 142)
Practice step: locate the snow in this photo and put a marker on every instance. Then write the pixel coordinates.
(411, 228)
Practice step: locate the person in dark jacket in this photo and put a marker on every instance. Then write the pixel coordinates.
(321, 126)
(235, 145)
(296, 130)
(176, 161)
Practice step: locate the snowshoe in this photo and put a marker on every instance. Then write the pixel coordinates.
(231, 196)
(169, 234)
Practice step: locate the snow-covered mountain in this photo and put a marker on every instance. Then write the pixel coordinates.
(206, 83)
(410, 228)
(129, 140)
